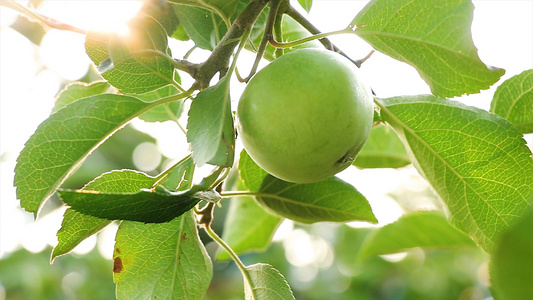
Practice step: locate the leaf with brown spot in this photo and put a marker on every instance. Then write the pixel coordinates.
(117, 265)
(165, 260)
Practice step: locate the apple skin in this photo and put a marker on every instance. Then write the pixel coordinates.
(305, 116)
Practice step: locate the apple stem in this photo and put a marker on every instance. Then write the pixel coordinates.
(282, 45)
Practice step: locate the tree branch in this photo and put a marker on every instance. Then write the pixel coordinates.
(267, 35)
(220, 57)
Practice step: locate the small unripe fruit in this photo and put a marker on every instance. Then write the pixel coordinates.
(305, 116)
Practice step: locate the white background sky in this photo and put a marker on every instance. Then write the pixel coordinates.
(31, 76)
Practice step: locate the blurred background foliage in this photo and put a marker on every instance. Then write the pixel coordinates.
(416, 274)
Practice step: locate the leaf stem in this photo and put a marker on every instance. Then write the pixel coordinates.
(169, 170)
(282, 45)
(231, 253)
(173, 98)
(277, 30)
(181, 65)
(293, 13)
(189, 52)
(225, 173)
(174, 118)
(230, 194)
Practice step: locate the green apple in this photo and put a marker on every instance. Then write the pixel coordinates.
(305, 116)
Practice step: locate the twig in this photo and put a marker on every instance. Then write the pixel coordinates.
(293, 13)
(220, 57)
(35, 16)
(267, 35)
(291, 44)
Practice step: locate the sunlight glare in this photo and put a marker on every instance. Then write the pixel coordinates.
(7, 17)
(64, 53)
(101, 16)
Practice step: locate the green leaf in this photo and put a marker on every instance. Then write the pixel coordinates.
(76, 227)
(476, 161)
(513, 101)
(306, 4)
(247, 226)
(266, 283)
(383, 149)
(210, 126)
(328, 200)
(180, 179)
(435, 39)
(425, 229)
(180, 34)
(204, 27)
(224, 8)
(251, 174)
(162, 12)
(147, 206)
(65, 139)
(161, 261)
(131, 64)
(97, 46)
(511, 265)
(78, 90)
(165, 112)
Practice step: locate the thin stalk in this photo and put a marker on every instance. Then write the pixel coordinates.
(298, 17)
(244, 40)
(220, 56)
(278, 33)
(269, 27)
(220, 13)
(189, 52)
(178, 64)
(230, 194)
(172, 98)
(225, 173)
(293, 13)
(169, 170)
(33, 15)
(217, 32)
(231, 253)
(174, 118)
(308, 39)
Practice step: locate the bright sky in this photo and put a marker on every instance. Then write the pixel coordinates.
(30, 77)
